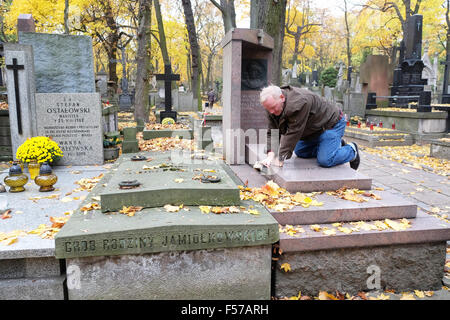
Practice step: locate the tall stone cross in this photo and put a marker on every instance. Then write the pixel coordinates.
(168, 77)
(16, 67)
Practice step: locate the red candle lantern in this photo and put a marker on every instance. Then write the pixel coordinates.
(371, 126)
(359, 124)
(393, 126)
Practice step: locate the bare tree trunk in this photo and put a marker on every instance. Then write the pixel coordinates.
(162, 35)
(141, 103)
(273, 24)
(66, 17)
(347, 36)
(195, 52)
(227, 9)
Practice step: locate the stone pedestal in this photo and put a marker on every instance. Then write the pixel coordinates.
(247, 64)
(130, 143)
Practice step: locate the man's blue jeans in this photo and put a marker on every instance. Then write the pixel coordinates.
(327, 147)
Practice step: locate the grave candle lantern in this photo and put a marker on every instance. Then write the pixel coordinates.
(393, 126)
(16, 179)
(359, 124)
(46, 178)
(371, 126)
(380, 124)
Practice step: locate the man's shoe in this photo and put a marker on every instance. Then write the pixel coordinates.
(354, 164)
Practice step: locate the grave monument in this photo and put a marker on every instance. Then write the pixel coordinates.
(246, 69)
(53, 94)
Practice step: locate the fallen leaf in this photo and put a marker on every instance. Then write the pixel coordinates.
(419, 294)
(66, 199)
(323, 295)
(205, 209)
(170, 208)
(131, 210)
(407, 296)
(6, 214)
(286, 267)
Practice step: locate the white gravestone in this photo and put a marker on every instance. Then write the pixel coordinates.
(73, 120)
(22, 94)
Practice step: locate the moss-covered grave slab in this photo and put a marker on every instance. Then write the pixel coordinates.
(163, 181)
(151, 230)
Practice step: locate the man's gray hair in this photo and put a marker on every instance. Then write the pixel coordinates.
(273, 91)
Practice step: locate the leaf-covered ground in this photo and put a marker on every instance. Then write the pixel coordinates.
(414, 156)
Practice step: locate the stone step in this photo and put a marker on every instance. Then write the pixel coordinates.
(334, 209)
(305, 175)
(406, 260)
(181, 133)
(378, 138)
(50, 288)
(424, 228)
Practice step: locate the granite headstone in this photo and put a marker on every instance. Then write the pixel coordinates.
(63, 63)
(73, 120)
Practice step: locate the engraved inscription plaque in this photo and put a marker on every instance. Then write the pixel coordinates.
(254, 74)
(73, 120)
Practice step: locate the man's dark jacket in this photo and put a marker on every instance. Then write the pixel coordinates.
(305, 116)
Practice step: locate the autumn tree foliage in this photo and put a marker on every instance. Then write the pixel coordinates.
(317, 37)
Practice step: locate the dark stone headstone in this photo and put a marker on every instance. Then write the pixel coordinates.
(411, 82)
(424, 102)
(315, 78)
(168, 77)
(371, 100)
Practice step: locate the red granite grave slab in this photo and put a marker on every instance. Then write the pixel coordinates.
(334, 209)
(424, 229)
(305, 175)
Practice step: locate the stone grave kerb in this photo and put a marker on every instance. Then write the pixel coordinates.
(243, 50)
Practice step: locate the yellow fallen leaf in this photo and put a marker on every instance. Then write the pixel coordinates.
(286, 267)
(435, 210)
(205, 209)
(419, 294)
(329, 232)
(170, 208)
(253, 211)
(429, 293)
(323, 295)
(179, 180)
(381, 296)
(345, 230)
(407, 296)
(315, 227)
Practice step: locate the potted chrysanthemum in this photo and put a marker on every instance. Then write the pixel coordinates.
(37, 150)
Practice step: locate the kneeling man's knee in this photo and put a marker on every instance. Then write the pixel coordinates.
(325, 162)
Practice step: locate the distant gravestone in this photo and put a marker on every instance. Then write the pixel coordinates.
(247, 65)
(63, 63)
(25, 23)
(102, 83)
(73, 120)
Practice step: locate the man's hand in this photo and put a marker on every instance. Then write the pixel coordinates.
(271, 160)
(268, 161)
(277, 162)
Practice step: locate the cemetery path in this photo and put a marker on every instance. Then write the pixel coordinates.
(430, 191)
